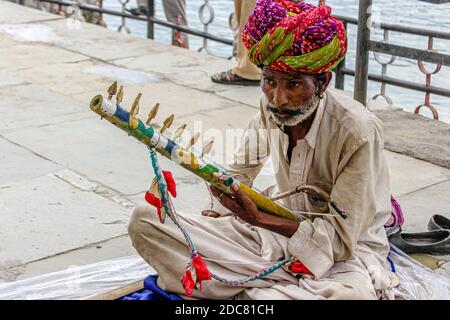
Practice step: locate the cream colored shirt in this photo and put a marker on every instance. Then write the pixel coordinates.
(343, 154)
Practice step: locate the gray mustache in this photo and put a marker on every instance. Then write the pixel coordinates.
(289, 111)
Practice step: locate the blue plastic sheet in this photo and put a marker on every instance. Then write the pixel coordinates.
(151, 291)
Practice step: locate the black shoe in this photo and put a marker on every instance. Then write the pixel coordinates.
(438, 222)
(432, 242)
(141, 10)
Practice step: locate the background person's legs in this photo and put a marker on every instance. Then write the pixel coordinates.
(244, 68)
(175, 11)
(244, 73)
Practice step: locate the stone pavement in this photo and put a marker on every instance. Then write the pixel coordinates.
(68, 181)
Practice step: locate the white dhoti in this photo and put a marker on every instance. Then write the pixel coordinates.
(233, 249)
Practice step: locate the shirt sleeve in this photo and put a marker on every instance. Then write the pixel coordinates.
(253, 151)
(320, 243)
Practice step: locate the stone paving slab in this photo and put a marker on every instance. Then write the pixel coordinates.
(251, 96)
(182, 66)
(11, 14)
(9, 78)
(168, 95)
(102, 43)
(29, 55)
(6, 40)
(401, 169)
(44, 206)
(420, 205)
(83, 77)
(31, 165)
(31, 106)
(93, 148)
(117, 247)
(417, 136)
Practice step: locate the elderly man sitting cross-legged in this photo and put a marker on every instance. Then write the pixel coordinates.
(314, 137)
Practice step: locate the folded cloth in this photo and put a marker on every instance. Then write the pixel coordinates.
(151, 291)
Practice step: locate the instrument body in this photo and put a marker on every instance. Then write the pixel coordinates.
(171, 149)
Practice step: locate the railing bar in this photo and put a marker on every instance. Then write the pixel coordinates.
(410, 53)
(401, 83)
(401, 28)
(153, 19)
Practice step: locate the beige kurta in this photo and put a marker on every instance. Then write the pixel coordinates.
(343, 154)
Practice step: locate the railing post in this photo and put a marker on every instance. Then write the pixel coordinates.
(150, 15)
(362, 51)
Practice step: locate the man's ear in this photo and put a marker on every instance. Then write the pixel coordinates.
(326, 82)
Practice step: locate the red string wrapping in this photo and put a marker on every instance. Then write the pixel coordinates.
(298, 267)
(188, 282)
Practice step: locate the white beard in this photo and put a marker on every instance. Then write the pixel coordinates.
(307, 110)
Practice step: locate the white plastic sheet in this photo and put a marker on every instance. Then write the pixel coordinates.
(78, 282)
(417, 282)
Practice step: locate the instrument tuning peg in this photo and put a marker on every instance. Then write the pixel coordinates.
(135, 107)
(167, 123)
(112, 90)
(119, 96)
(152, 113)
(134, 121)
(207, 148)
(193, 140)
(179, 131)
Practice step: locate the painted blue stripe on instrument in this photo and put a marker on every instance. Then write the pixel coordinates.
(122, 114)
(170, 146)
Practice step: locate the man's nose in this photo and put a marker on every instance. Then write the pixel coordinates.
(280, 98)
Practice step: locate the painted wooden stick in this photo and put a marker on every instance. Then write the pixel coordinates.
(171, 149)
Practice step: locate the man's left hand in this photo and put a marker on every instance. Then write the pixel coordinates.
(239, 203)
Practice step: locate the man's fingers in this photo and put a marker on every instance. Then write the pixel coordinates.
(241, 197)
(230, 203)
(223, 179)
(215, 191)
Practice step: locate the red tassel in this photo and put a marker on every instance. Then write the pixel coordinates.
(171, 185)
(188, 283)
(154, 201)
(298, 267)
(201, 270)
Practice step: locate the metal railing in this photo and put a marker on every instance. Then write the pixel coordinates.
(365, 46)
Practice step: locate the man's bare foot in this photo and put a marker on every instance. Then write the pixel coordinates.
(210, 213)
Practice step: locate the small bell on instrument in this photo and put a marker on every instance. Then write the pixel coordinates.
(119, 96)
(179, 131)
(112, 90)
(167, 123)
(193, 140)
(207, 148)
(152, 113)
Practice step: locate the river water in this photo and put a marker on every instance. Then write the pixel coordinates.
(406, 12)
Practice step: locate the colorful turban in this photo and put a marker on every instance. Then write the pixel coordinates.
(294, 37)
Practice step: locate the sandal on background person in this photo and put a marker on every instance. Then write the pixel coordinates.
(229, 77)
(438, 222)
(140, 10)
(431, 242)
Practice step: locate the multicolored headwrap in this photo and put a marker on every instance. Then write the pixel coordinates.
(294, 37)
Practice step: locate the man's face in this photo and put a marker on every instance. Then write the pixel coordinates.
(291, 98)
